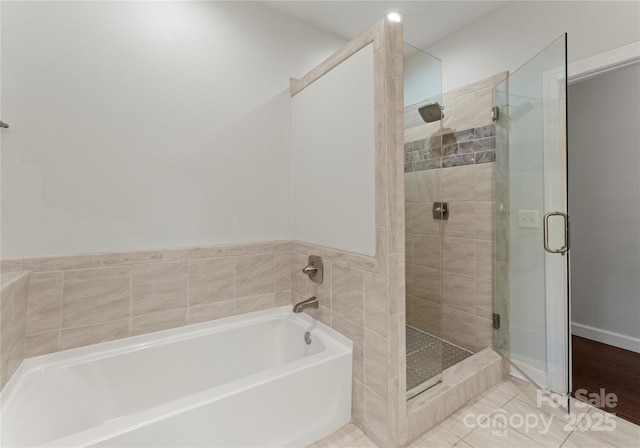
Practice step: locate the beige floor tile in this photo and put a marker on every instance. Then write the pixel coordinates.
(546, 429)
(341, 438)
(468, 418)
(530, 396)
(438, 437)
(462, 444)
(362, 442)
(514, 385)
(493, 434)
(495, 398)
(611, 429)
(581, 439)
(462, 422)
(510, 403)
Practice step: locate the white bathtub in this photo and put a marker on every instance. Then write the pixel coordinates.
(243, 381)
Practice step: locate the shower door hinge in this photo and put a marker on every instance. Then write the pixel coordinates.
(496, 321)
(495, 113)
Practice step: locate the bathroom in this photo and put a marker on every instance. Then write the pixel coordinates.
(131, 123)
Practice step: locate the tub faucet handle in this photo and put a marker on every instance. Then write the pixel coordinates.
(310, 270)
(314, 269)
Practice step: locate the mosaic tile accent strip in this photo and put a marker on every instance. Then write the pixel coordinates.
(467, 147)
(428, 355)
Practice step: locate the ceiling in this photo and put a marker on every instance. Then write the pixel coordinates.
(425, 22)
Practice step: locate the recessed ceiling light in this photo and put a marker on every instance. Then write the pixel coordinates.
(395, 16)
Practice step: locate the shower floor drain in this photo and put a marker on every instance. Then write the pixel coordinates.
(428, 355)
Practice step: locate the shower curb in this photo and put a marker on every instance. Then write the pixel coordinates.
(461, 383)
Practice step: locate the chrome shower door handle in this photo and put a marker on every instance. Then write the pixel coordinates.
(564, 249)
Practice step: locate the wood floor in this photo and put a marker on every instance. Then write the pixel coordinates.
(599, 366)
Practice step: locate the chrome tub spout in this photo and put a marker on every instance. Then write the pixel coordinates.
(311, 302)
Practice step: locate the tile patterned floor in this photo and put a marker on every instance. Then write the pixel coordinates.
(508, 416)
(428, 355)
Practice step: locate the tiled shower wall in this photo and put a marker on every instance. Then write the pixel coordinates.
(449, 271)
(80, 300)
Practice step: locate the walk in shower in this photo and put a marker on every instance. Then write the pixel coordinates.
(450, 156)
(428, 352)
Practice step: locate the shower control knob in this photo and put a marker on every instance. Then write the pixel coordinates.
(314, 269)
(310, 270)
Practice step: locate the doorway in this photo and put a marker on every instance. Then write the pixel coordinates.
(604, 202)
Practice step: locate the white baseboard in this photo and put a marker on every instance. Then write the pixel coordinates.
(606, 337)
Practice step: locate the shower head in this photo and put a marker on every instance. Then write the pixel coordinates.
(517, 112)
(431, 112)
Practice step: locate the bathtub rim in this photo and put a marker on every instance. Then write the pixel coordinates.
(135, 343)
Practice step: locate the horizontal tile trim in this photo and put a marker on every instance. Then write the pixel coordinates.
(86, 261)
(467, 147)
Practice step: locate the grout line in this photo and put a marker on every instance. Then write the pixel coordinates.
(130, 327)
(187, 299)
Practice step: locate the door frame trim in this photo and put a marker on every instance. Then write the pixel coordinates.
(604, 62)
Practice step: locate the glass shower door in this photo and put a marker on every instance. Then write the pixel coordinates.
(531, 294)
(423, 231)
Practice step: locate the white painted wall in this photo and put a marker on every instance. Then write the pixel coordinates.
(511, 35)
(333, 184)
(604, 201)
(141, 125)
(422, 77)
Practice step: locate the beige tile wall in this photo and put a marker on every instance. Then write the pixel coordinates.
(81, 300)
(423, 252)
(449, 263)
(468, 258)
(449, 271)
(13, 321)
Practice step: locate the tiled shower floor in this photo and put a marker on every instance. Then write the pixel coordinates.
(428, 355)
